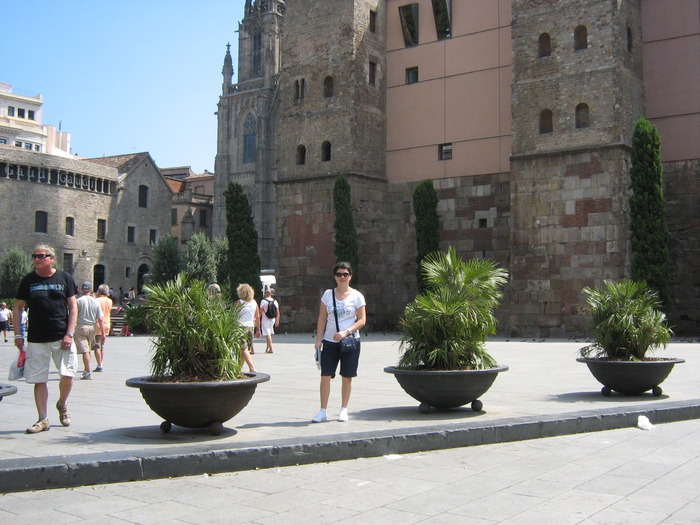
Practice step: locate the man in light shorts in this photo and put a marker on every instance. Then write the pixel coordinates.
(50, 295)
(89, 323)
(102, 333)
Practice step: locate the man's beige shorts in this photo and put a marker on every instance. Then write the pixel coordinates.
(84, 337)
(39, 355)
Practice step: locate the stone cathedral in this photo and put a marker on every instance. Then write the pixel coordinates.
(520, 112)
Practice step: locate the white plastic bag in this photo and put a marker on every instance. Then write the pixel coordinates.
(17, 366)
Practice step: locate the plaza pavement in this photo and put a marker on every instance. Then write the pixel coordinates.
(115, 437)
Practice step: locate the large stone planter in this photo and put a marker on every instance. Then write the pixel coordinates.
(198, 405)
(630, 377)
(7, 390)
(445, 388)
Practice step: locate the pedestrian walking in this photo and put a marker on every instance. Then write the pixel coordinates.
(105, 329)
(249, 316)
(89, 323)
(49, 295)
(269, 317)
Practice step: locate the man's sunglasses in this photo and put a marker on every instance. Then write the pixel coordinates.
(40, 256)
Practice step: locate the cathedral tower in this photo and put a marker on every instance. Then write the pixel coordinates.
(577, 92)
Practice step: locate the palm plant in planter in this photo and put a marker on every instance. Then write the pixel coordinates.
(196, 370)
(444, 362)
(627, 323)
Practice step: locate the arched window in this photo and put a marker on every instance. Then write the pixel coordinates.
(582, 116)
(326, 151)
(545, 45)
(580, 38)
(301, 154)
(140, 277)
(249, 139)
(328, 86)
(98, 275)
(546, 121)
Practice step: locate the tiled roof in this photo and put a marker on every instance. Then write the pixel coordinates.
(123, 163)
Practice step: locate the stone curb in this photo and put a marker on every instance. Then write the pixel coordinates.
(19, 475)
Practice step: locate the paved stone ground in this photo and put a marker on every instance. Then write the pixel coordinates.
(545, 392)
(618, 476)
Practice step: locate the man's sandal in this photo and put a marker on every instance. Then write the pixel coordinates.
(63, 414)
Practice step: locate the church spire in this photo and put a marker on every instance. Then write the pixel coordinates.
(227, 71)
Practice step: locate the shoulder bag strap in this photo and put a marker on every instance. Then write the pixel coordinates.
(335, 311)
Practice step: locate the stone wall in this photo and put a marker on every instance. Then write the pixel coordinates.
(681, 189)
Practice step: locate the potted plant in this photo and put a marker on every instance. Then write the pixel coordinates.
(627, 323)
(444, 362)
(196, 379)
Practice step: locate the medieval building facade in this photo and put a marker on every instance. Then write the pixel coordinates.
(520, 111)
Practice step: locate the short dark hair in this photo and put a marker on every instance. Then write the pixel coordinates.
(344, 265)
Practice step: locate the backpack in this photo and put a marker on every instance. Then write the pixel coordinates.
(271, 312)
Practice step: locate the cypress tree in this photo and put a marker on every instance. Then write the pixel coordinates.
(650, 258)
(345, 233)
(199, 261)
(166, 260)
(425, 203)
(243, 258)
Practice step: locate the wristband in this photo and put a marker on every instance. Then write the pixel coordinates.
(19, 336)
(69, 334)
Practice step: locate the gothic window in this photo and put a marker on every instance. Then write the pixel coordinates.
(301, 154)
(256, 64)
(326, 151)
(408, 15)
(442, 11)
(546, 125)
(411, 75)
(582, 117)
(545, 45)
(249, 139)
(328, 87)
(41, 222)
(580, 38)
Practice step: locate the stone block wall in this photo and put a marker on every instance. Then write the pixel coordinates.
(681, 189)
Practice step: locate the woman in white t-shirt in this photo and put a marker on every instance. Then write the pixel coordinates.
(249, 316)
(350, 309)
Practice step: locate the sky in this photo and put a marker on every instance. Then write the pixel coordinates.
(124, 76)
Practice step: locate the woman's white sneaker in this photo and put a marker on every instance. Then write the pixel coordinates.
(320, 417)
(343, 415)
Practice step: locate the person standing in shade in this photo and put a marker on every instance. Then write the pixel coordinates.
(249, 316)
(106, 328)
(270, 317)
(88, 324)
(50, 296)
(349, 306)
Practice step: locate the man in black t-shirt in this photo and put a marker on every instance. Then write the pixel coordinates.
(50, 295)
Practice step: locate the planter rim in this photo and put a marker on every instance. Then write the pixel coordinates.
(144, 381)
(7, 390)
(663, 360)
(412, 371)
